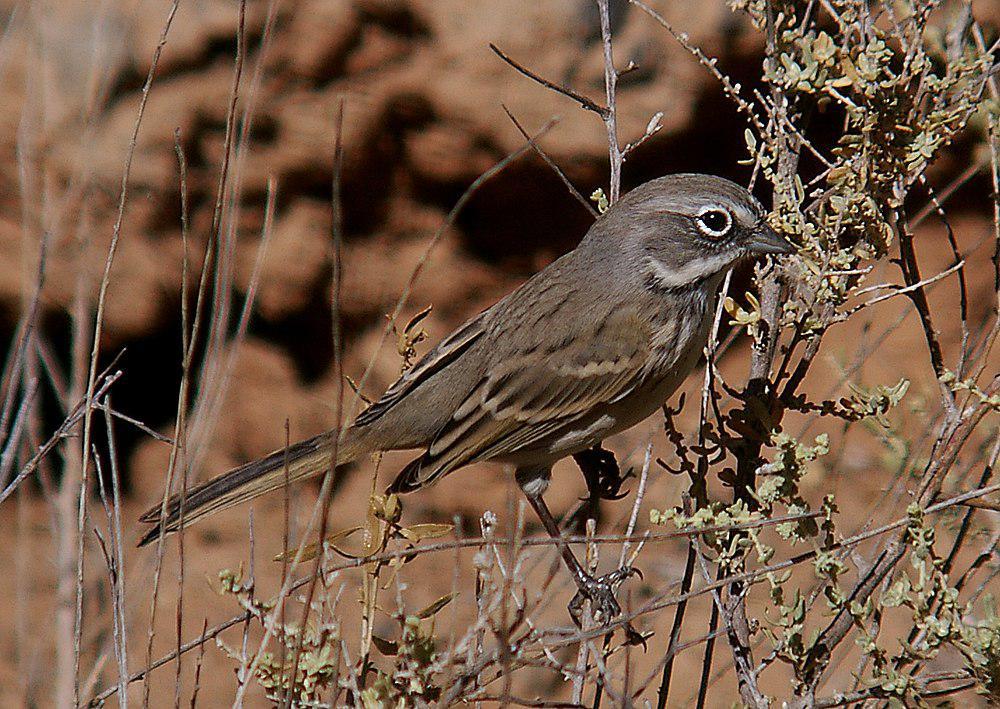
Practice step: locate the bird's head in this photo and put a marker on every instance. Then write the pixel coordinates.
(685, 229)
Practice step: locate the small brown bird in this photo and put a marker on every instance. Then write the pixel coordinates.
(588, 347)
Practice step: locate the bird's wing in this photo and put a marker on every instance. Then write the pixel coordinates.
(531, 394)
(446, 352)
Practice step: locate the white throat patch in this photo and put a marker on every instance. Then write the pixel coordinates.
(696, 270)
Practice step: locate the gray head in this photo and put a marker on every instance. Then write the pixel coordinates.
(687, 228)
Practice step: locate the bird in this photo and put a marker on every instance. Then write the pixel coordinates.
(589, 346)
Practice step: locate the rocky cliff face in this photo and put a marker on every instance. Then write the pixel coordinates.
(423, 103)
(423, 99)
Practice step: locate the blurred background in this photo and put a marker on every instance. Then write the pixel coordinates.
(423, 99)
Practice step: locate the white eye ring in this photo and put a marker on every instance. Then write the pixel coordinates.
(714, 221)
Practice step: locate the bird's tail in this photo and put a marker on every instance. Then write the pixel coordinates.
(305, 459)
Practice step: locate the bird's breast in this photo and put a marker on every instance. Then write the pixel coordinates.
(678, 334)
(678, 337)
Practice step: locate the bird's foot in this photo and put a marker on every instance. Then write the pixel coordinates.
(604, 606)
(600, 592)
(603, 476)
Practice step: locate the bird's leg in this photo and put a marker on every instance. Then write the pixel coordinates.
(599, 591)
(601, 472)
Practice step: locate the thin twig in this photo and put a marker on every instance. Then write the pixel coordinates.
(98, 330)
(561, 637)
(552, 164)
(610, 116)
(558, 88)
(326, 489)
(64, 431)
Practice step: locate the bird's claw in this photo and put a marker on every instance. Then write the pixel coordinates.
(604, 606)
(603, 603)
(601, 594)
(602, 473)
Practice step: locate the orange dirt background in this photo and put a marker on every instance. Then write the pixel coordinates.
(423, 98)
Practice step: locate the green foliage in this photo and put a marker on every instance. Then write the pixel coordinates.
(411, 680)
(969, 385)
(749, 319)
(906, 78)
(308, 661)
(901, 81)
(939, 621)
(904, 94)
(309, 666)
(600, 199)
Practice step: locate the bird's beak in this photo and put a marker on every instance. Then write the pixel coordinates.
(766, 240)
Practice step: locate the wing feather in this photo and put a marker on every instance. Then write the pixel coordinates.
(526, 398)
(430, 364)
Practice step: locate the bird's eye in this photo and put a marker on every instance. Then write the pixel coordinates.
(714, 222)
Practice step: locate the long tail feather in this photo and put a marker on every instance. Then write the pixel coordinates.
(304, 460)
